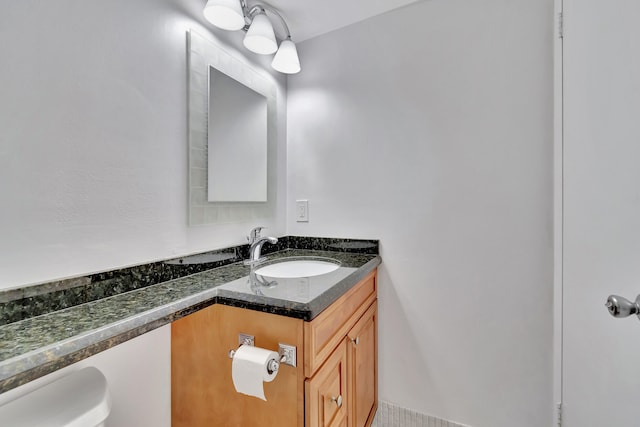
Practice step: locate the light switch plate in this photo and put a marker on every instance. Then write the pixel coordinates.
(302, 210)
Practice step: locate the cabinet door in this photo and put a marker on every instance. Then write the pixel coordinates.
(341, 423)
(326, 397)
(362, 367)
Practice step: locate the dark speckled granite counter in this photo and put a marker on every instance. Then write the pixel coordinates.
(39, 345)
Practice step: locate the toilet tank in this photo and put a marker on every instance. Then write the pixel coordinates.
(80, 399)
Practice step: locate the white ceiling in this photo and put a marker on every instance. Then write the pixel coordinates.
(307, 19)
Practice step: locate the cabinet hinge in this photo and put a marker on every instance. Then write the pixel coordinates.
(560, 25)
(559, 415)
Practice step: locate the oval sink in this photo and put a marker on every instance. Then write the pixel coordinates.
(298, 268)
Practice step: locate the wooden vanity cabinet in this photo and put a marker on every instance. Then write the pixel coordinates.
(344, 390)
(350, 322)
(333, 385)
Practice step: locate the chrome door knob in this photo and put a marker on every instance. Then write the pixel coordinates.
(622, 307)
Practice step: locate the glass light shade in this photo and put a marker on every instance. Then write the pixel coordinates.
(260, 38)
(225, 14)
(286, 59)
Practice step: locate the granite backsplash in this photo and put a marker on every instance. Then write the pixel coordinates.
(26, 302)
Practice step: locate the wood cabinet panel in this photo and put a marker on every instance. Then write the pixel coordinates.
(342, 422)
(329, 364)
(202, 390)
(326, 392)
(329, 328)
(362, 366)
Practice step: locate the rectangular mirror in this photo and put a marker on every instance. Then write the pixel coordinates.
(237, 141)
(233, 137)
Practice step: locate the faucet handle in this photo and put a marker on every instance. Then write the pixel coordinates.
(254, 234)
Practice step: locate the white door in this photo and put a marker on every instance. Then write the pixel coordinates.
(601, 218)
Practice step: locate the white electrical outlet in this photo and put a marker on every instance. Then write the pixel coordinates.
(302, 210)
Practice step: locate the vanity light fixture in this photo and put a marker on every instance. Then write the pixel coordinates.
(225, 14)
(233, 15)
(260, 37)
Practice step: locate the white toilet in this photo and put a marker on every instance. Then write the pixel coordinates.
(80, 399)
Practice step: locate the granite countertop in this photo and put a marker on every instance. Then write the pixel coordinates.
(36, 346)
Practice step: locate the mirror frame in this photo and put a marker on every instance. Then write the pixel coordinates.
(202, 54)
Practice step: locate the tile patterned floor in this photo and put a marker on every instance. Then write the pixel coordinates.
(389, 415)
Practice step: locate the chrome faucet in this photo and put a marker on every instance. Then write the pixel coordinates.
(256, 242)
(254, 234)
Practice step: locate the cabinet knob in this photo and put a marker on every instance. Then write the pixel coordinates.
(337, 400)
(355, 340)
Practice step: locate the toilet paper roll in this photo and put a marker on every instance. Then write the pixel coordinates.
(249, 370)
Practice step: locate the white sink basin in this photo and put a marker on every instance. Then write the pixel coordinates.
(298, 268)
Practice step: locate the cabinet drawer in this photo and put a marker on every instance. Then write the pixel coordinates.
(326, 399)
(326, 331)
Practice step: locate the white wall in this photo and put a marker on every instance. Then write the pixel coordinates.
(93, 136)
(430, 128)
(138, 376)
(93, 159)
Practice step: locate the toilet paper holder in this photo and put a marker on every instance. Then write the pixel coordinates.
(286, 352)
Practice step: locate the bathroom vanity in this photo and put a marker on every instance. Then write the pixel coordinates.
(334, 382)
(210, 299)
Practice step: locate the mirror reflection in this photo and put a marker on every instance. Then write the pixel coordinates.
(237, 141)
